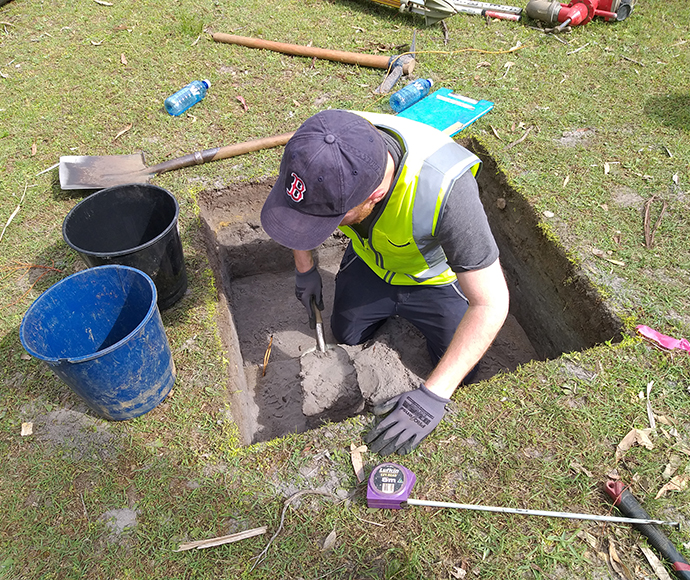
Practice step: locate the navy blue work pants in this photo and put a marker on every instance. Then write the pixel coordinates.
(363, 302)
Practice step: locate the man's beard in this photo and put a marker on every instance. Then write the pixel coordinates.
(361, 212)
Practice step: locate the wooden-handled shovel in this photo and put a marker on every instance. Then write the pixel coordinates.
(97, 172)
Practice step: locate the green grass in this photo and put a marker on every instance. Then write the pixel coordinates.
(75, 74)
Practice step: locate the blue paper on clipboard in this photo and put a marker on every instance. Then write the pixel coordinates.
(447, 111)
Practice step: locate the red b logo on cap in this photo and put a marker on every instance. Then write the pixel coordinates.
(297, 188)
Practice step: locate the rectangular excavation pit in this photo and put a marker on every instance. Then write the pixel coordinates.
(554, 309)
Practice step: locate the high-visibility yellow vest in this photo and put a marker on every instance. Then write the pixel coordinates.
(402, 248)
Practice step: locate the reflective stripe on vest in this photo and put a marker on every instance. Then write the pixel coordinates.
(402, 248)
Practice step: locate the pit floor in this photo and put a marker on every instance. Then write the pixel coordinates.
(257, 279)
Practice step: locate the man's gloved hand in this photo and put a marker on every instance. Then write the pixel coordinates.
(308, 284)
(415, 415)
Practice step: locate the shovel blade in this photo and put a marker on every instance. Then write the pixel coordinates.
(97, 172)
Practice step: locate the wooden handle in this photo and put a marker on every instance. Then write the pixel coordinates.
(217, 153)
(249, 146)
(370, 60)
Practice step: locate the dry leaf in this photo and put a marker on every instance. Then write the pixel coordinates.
(655, 563)
(329, 542)
(601, 254)
(678, 483)
(634, 437)
(121, 133)
(566, 180)
(672, 466)
(664, 420)
(123, 58)
(102, 3)
(241, 100)
(27, 429)
(607, 168)
(33, 149)
(357, 461)
(682, 447)
(577, 468)
(617, 563)
(675, 178)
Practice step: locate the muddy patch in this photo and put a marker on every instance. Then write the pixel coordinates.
(74, 433)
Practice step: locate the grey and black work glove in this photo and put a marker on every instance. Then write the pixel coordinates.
(307, 285)
(415, 414)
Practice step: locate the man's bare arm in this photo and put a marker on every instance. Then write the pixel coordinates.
(487, 293)
(303, 260)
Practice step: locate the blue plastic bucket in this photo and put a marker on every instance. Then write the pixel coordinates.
(101, 332)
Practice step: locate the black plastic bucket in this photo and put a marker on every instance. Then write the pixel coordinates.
(132, 225)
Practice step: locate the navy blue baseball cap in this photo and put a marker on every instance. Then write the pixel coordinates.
(333, 162)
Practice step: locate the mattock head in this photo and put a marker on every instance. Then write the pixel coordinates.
(398, 66)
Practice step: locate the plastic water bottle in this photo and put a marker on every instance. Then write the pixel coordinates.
(186, 97)
(410, 94)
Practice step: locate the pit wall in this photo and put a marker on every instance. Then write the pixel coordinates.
(553, 301)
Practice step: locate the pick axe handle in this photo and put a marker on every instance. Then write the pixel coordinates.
(370, 60)
(217, 153)
(628, 504)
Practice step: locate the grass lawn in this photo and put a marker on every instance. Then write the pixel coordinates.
(589, 127)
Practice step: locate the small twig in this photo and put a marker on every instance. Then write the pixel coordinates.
(121, 133)
(650, 233)
(288, 501)
(47, 170)
(633, 60)
(446, 36)
(331, 572)
(578, 49)
(520, 140)
(369, 521)
(14, 213)
(267, 355)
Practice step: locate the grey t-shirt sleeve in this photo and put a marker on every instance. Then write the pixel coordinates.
(463, 230)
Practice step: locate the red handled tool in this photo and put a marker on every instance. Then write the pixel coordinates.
(628, 505)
